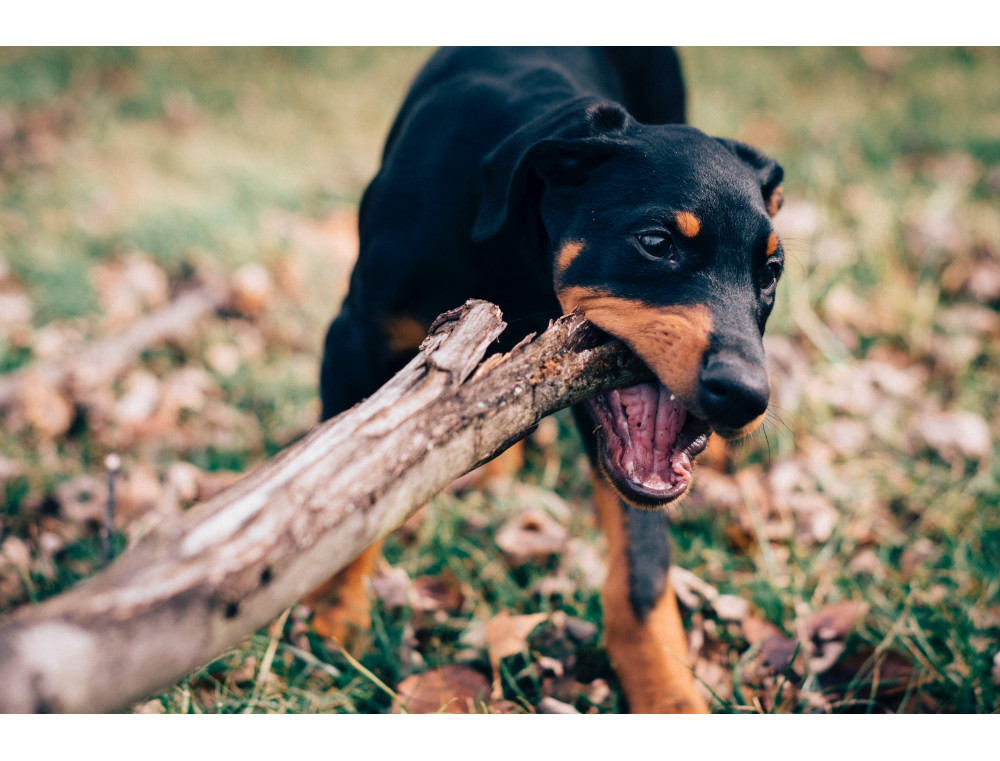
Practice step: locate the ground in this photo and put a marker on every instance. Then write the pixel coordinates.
(844, 559)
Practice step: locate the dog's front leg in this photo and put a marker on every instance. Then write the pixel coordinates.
(642, 625)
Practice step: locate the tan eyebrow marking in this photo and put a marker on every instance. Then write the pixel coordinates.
(772, 242)
(687, 223)
(565, 256)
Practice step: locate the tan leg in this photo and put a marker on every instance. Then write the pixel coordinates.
(648, 648)
(341, 607)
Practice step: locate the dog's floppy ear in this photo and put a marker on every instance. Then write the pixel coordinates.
(768, 171)
(559, 147)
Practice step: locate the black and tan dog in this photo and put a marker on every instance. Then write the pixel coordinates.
(548, 180)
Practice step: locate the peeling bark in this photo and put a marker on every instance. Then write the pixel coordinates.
(196, 585)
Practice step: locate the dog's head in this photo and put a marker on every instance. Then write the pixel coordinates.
(661, 236)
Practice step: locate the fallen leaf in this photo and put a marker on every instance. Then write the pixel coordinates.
(828, 629)
(582, 561)
(954, 434)
(138, 491)
(533, 535)
(551, 705)
(391, 586)
(251, 289)
(14, 553)
(815, 517)
(553, 665)
(778, 652)
(82, 499)
(45, 408)
(598, 692)
(140, 398)
(691, 591)
(508, 635)
(448, 689)
(433, 593)
(129, 286)
(183, 478)
(835, 621)
(731, 607)
(756, 629)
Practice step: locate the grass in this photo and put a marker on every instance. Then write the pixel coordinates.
(864, 488)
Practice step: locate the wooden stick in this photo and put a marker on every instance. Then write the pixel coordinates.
(198, 584)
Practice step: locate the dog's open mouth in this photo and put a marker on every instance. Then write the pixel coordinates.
(647, 442)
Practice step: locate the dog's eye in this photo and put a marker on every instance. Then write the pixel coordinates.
(770, 276)
(656, 246)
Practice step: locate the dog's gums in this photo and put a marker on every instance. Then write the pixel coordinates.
(647, 442)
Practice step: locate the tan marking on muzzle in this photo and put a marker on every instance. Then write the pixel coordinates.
(688, 224)
(403, 333)
(565, 256)
(670, 340)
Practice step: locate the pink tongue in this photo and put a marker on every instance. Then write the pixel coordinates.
(649, 420)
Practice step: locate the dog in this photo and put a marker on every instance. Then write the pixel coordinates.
(551, 180)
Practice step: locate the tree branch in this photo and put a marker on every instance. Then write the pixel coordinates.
(198, 584)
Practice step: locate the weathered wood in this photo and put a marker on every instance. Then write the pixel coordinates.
(198, 584)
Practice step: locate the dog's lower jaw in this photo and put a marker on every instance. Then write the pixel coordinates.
(647, 443)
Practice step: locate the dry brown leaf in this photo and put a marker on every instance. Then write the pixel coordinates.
(45, 408)
(551, 705)
(533, 535)
(223, 358)
(140, 398)
(815, 517)
(828, 629)
(835, 621)
(14, 553)
(757, 629)
(434, 593)
(251, 289)
(128, 287)
(508, 635)
(82, 499)
(183, 478)
(449, 689)
(582, 561)
(778, 652)
(691, 591)
(552, 503)
(954, 434)
(731, 607)
(598, 692)
(391, 586)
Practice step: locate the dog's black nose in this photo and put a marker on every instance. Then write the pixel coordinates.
(734, 392)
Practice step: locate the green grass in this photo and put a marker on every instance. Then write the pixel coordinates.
(206, 160)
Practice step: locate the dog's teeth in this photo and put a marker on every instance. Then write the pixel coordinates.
(672, 397)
